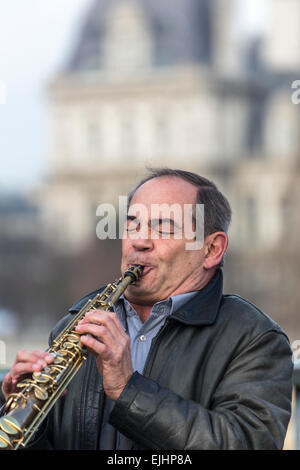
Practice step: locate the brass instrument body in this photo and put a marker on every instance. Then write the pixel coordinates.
(27, 409)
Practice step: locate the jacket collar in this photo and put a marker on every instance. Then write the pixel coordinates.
(203, 308)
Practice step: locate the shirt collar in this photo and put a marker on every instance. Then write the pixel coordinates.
(163, 307)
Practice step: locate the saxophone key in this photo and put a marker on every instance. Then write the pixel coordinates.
(73, 338)
(43, 378)
(60, 357)
(4, 441)
(40, 393)
(10, 425)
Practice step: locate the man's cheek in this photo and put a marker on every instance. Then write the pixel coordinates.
(126, 244)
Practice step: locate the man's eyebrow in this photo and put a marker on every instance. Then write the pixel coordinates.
(131, 217)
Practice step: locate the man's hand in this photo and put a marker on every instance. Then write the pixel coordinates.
(111, 346)
(25, 363)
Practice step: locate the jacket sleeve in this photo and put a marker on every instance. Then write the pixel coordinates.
(250, 408)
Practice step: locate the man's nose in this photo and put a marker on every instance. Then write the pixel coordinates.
(143, 242)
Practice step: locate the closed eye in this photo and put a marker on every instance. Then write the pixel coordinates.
(132, 224)
(164, 226)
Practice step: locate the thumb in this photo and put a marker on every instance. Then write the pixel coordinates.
(7, 385)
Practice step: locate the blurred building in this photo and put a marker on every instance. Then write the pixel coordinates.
(19, 220)
(155, 82)
(28, 270)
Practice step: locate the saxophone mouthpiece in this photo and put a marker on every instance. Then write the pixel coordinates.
(134, 272)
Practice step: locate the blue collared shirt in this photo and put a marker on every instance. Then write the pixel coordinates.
(141, 334)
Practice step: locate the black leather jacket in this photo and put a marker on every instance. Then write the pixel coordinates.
(218, 376)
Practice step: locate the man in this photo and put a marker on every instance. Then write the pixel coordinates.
(178, 365)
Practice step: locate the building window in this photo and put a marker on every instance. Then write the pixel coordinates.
(93, 139)
(255, 127)
(128, 138)
(161, 134)
(251, 220)
(287, 216)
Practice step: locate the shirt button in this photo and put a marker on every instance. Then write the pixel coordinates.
(143, 338)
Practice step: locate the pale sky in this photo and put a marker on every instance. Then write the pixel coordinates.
(35, 39)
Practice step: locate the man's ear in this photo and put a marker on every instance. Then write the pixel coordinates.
(215, 247)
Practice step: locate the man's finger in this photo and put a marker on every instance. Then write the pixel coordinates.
(107, 332)
(96, 330)
(23, 368)
(26, 356)
(109, 319)
(96, 346)
(7, 383)
(29, 362)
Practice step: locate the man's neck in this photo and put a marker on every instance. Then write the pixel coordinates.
(144, 311)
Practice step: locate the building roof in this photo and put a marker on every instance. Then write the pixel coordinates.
(180, 29)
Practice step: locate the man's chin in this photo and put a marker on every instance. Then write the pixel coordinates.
(140, 295)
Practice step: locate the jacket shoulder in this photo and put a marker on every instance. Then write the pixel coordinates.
(248, 315)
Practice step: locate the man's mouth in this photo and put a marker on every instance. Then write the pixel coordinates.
(146, 268)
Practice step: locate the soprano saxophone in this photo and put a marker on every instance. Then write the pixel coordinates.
(27, 409)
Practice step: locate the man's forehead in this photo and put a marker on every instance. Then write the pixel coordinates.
(165, 189)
